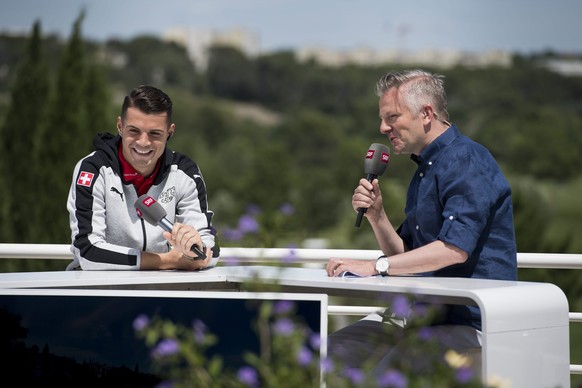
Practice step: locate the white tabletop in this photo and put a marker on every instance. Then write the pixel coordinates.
(522, 301)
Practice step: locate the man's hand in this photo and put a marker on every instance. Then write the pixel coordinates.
(335, 267)
(174, 259)
(185, 262)
(368, 196)
(183, 237)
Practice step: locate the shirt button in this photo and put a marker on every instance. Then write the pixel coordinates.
(417, 227)
(421, 174)
(451, 218)
(430, 163)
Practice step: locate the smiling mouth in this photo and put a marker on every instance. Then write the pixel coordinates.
(142, 152)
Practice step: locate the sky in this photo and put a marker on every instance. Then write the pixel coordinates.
(520, 26)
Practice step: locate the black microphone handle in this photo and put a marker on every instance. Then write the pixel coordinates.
(361, 210)
(167, 226)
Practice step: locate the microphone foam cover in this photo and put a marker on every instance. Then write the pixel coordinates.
(377, 159)
(149, 209)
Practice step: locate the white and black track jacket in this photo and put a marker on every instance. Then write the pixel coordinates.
(107, 233)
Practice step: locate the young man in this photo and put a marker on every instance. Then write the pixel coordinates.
(459, 215)
(107, 233)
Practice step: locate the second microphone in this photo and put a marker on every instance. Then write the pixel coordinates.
(151, 211)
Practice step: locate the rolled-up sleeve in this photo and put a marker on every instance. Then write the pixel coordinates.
(468, 193)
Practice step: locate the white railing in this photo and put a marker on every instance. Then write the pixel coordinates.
(306, 257)
(300, 256)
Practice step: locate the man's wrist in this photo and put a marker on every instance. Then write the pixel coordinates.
(382, 265)
(376, 218)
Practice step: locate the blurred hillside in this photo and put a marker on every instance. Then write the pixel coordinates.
(283, 130)
(281, 138)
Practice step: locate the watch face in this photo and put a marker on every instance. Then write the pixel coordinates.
(382, 265)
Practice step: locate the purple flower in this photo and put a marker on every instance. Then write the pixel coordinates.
(425, 333)
(290, 257)
(326, 365)
(199, 329)
(287, 209)
(304, 356)
(400, 306)
(248, 224)
(315, 340)
(232, 234)
(355, 375)
(393, 379)
(140, 322)
(464, 375)
(166, 347)
(248, 375)
(253, 210)
(284, 326)
(231, 260)
(283, 307)
(420, 310)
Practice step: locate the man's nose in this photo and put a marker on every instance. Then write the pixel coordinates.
(143, 138)
(384, 127)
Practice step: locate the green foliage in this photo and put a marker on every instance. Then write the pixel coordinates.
(289, 356)
(146, 60)
(23, 124)
(298, 140)
(63, 141)
(180, 353)
(530, 221)
(230, 74)
(306, 151)
(48, 127)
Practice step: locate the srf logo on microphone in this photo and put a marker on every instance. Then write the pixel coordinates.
(370, 154)
(385, 157)
(149, 201)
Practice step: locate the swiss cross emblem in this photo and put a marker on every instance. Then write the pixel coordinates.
(85, 179)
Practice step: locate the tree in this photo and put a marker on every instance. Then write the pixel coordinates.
(100, 115)
(318, 184)
(19, 169)
(231, 74)
(68, 135)
(151, 61)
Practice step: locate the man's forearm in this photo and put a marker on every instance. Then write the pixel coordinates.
(388, 240)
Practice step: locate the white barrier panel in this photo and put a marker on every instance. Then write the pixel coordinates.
(525, 324)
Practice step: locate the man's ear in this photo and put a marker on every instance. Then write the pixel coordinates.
(427, 112)
(171, 131)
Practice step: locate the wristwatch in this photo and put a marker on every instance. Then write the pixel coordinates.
(382, 265)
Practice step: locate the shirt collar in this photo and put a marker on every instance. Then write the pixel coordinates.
(130, 174)
(442, 141)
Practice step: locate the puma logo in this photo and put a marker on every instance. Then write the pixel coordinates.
(114, 189)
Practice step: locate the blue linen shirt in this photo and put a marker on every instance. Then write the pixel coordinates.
(459, 195)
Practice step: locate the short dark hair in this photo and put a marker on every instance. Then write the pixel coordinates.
(148, 99)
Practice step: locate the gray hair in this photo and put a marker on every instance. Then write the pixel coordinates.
(417, 88)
